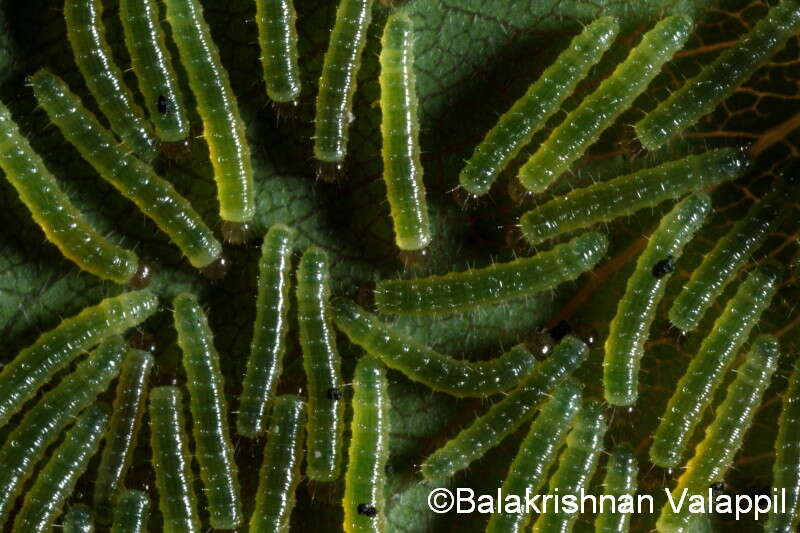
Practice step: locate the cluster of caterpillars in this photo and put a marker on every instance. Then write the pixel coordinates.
(534, 378)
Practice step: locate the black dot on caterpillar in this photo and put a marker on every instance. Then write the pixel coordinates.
(624, 346)
(133, 178)
(163, 104)
(218, 269)
(144, 275)
(334, 394)
(322, 365)
(664, 267)
(367, 510)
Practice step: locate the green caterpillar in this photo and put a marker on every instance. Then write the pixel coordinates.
(126, 419)
(131, 512)
(695, 389)
(78, 519)
(728, 255)
(536, 455)
(620, 481)
(510, 413)
(103, 77)
(55, 483)
(597, 111)
(171, 461)
(786, 470)
(337, 84)
(323, 367)
(62, 223)
(636, 310)
(402, 169)
(605, 201)
(54, 349)
(421, 363)
(499, 282)
(152, 64)
(364, 502)
(277, 37)
(280, 467)
(135, 180)
(223, 128)
(529, 114)
(723, 438)
(214, 450)
(700, 95)
(576, 466)
(265, 364)
(42, 424)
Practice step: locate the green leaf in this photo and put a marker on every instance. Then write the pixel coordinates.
(474, 58)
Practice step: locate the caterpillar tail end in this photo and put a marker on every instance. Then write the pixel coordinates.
(529, 230)
(668, 458)
(620, 398)
(414, 241)
(650, 141)
(682, 318)
(620, 375)
(436, 470)
(249, 422)
(322, 474)
(536, 180)
(474, 183)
